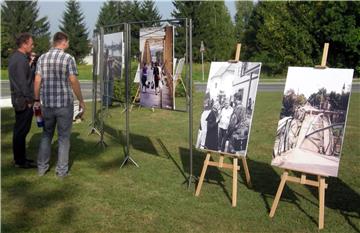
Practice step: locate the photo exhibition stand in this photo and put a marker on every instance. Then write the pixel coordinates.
(234, 166)
(320, 182)
(95, 74)
(97, 119)
(99, 69)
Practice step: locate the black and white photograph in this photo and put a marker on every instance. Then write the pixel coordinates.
(312, 121)
(155, 71)
(113, 62)
(229, 104)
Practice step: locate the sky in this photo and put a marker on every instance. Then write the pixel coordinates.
(308, 80)
(55, 9)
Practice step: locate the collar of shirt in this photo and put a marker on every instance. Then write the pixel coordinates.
(53, 49)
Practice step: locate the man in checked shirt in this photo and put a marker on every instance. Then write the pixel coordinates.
(56, 77)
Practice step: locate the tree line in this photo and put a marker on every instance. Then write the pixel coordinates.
(23, 16)
(278, 34)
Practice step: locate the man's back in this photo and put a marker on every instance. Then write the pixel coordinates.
(55, 66)
(21, 83)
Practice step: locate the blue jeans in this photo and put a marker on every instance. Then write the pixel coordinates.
(62, 118)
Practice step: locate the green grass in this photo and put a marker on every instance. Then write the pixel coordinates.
(100, 197)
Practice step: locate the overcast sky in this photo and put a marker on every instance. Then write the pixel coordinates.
(55, 9)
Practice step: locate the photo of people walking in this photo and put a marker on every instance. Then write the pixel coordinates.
(156, 67)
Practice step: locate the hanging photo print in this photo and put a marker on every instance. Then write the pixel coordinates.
(228, 107)
(155, 69)
(113, 65)
(312, 121)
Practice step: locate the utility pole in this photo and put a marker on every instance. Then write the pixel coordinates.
(202, 49)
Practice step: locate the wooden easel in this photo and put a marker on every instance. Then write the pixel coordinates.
(137, 97)
(320, 182)
(234, 166)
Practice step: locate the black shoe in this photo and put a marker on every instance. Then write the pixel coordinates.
(25, 165)
(29, 160)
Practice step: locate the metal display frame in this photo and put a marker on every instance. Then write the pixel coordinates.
(127, 76)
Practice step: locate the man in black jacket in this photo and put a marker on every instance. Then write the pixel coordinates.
(22, 92)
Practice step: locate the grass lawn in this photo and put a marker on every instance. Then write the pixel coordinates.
(100, 197)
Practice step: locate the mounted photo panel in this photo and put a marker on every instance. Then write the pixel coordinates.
(155, 70)
(312, 121)
(113, 67)
(229, 104)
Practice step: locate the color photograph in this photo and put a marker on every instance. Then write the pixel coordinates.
(312, 122)
(113, 64)
(228, 107)
(155, 71)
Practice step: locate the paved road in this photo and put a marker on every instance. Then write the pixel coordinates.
(272, 87)
(86, 87)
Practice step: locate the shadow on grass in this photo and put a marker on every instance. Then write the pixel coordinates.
(266, 181)
(168, 154)
(213, 174)
(7, 120)
(339, 196)
(32, 201)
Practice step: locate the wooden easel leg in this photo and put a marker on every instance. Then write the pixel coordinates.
(136, 96)
(234, 188)
(201, 180)
(278, 193)
(321, 201)
(247, 173)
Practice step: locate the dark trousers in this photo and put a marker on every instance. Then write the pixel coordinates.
(22, 127)
(222, 139)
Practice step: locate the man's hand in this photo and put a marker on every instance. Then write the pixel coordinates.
(82, 108)
(37, 104)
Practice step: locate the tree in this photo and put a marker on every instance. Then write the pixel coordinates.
(149, 12)
(73, 25)
(280, 34)
(108, 15)
(118, 12)
(186, 9)
(216, 30)
(211, 24)
(339, 24)
(243, 12)
(18, 17)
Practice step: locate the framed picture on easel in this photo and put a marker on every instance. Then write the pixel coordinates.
(312, 121)
(311, 128)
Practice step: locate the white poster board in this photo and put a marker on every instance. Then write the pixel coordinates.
(312, 122)
(228, 107)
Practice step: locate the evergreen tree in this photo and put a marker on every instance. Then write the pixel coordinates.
(109, 14)
(186, 9)
(216, 30)
(73, 25)
(18, 17)
(243, 12)
(149, 12)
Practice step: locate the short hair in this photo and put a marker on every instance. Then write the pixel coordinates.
(60, 36)
(22, 38)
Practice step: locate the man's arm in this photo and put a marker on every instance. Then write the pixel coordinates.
(37, 83)
(77, 90)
